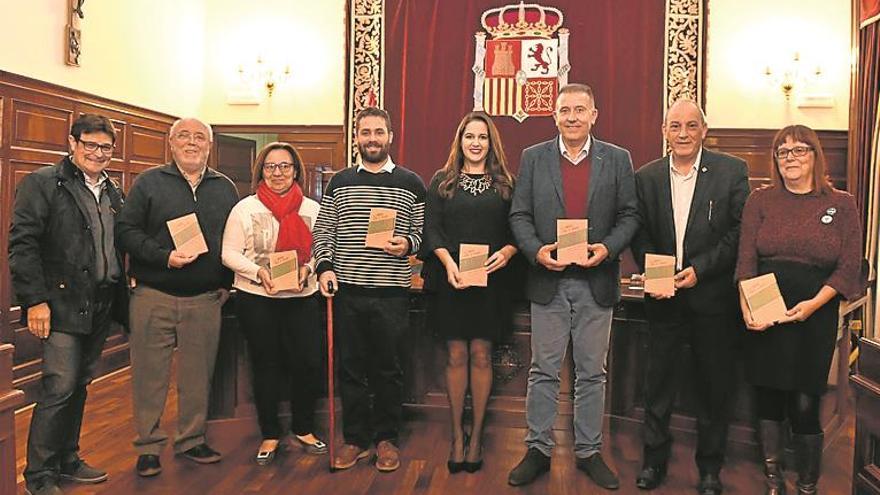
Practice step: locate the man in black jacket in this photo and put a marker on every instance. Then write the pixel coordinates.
(66, 274)
(690, 205)
(177, 295)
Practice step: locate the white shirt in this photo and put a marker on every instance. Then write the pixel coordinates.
(682, 188)
(386, 168)
(97, 185)
(250, 235)
(581, 155)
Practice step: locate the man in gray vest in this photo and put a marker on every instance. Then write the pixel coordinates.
(67, 276)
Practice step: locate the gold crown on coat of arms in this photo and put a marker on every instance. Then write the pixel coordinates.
(522, 20)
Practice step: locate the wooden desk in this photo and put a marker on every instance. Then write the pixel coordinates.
(424, 361)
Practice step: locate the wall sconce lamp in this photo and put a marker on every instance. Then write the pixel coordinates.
(791, 74)
(264, 74)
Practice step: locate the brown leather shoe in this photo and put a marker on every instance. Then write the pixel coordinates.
(388, 457)
(349, 455)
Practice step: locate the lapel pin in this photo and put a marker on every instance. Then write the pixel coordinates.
(704, 169)
(831, 211)
(826, 219)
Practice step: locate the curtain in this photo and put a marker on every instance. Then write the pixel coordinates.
(866, 143)
(616, 46)
(868, 12)
(866, 116)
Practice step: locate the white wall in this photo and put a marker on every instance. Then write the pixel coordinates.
(142, 52)
(307, 35)
(181, 56)
(744, 36)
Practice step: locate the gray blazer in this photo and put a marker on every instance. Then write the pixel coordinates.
(612, 211)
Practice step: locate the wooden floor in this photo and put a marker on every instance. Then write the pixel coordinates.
(108, 432)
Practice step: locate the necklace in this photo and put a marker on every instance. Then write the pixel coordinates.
(475, 186)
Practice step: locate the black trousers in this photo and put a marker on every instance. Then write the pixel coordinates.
(284, 343)
(711, 339)
(369, 327)
(69, 364)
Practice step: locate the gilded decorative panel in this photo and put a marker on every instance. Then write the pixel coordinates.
(366, 62)
(683, 71)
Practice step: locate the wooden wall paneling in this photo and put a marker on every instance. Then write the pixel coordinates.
(6, 317)
(5, 201)
(322, 145)
(35, 119)
(40, 126)
(10, 399)
(149, 146)
(753, 146)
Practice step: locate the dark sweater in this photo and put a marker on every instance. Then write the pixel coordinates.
(465, 219)
(821, 231)
(161, 194)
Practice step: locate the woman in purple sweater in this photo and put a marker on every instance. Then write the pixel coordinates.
(808, 234)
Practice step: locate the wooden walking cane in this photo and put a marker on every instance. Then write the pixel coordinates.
(331, 395)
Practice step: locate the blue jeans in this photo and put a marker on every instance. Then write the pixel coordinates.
(572, 315)
(69, 364)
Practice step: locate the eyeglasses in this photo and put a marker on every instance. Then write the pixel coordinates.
(284, 167)
(797, 152)
(93, 146)
(199, 137)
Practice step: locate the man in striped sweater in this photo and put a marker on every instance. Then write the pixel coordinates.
(372, 304)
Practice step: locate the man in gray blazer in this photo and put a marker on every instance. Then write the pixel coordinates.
(571, 176)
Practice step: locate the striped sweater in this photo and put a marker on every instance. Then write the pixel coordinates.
(341, 228)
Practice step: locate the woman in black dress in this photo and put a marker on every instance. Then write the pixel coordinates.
(808, 234)
(468, 202)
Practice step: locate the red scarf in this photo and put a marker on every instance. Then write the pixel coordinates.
(293, 233)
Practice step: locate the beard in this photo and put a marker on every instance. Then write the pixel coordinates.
(374, 156)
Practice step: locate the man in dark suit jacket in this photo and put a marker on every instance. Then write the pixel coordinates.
(690, 204)
(571, 176)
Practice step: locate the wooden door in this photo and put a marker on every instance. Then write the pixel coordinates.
(233, 156)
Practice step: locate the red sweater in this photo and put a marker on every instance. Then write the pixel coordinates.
(780, 225)
(575, 186)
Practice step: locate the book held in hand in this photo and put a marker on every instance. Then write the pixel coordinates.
(187, 235)
(380, 230)
(659, 274)
(472, 264)
(764, 299)
(571, 238)
(284, 270)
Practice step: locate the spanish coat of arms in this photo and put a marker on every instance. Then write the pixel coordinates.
(518, 72)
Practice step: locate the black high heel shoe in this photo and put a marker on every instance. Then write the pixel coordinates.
(473, 467)
(457, 466)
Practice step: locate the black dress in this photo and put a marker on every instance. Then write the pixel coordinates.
(808, 241)
(466, 218)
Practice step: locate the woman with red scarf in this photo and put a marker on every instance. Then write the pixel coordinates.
(281, 327)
